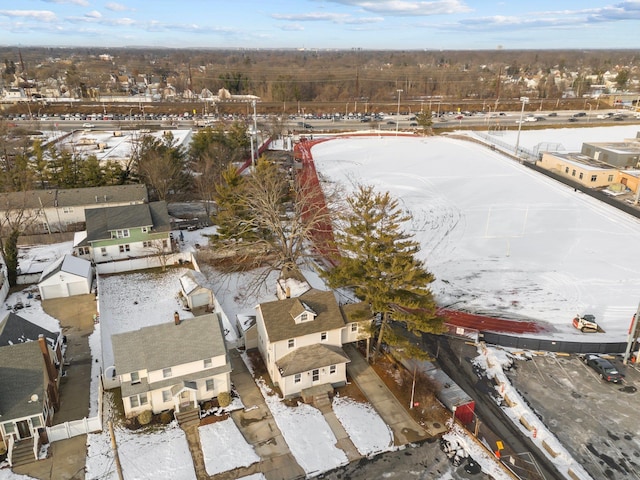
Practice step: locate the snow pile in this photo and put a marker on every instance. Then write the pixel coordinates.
(459, 447)
(224, 448)
(32, 309)
(144, 455)
(313, 446)
(364, 426)
(494, 361)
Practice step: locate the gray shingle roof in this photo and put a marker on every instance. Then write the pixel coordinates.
(15, 329)
(22, 375)
(312, 356)
(69, 264)
(167, 345)
(279, 321)
(101, 221)
(74, 196)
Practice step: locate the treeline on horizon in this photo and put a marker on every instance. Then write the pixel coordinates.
(328, 75)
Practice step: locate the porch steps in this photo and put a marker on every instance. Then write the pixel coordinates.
(188, 417)
(322, 402)
(23, 453)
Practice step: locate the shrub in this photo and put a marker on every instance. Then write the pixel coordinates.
(224, 399)
(165, 418)
(145, 417)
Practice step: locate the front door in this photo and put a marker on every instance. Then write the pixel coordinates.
(185, 399)
(23, 429)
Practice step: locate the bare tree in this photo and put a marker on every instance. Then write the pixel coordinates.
(16, 218)
(161, 248)
(283, 215)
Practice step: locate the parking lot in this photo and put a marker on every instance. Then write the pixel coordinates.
(595, 420)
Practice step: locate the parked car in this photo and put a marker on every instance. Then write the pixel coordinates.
(604, 368)
(580, 114)
(573, 119)
(553, 114)
(88, 125)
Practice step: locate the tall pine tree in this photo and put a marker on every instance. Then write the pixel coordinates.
(378, 262)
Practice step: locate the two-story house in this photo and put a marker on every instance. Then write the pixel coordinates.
(172, 366)
(63, 210)
(300, 339)
(29, 396)
(118, 233)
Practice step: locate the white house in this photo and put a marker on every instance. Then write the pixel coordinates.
(300, 340)
(66, 277)
(172, 366)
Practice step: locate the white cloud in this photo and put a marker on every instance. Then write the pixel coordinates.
(82, 3)
(117, 7)
(338, 18)
(292, 27)
(404, 8)
(93, 14)
(42, 15)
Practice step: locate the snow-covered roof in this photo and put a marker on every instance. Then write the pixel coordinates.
(191, 281)
(68, 264)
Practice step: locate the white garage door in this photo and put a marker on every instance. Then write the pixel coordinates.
(77, 288)
(54, 291)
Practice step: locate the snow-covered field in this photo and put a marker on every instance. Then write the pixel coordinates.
(500, 238)
(218, 457)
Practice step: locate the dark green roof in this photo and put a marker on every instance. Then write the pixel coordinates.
(102, 221)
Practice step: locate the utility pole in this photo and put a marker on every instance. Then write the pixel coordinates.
(398, 116)
(114, 446)
(633, 335)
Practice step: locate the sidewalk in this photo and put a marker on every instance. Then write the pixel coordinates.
(405, 429)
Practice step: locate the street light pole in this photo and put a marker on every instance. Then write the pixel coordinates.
(398, 116)
(524, 101)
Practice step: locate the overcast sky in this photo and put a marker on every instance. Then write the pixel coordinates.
(340, 24)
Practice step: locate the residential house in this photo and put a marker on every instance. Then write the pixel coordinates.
(14, 329)
(29, 395)
(62, 210)
(119, 233)
(172, 366)
(301, 338)
(67, 276)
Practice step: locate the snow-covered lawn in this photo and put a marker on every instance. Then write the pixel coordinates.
(366, 429)
(144, 455)
(224, 448)
(307, 433)
(500, 238)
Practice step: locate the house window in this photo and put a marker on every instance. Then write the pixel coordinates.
(135, 377)
(146, 244)
(145, 229)
(166, 396)
(103, 251)
(67, 210)
(9, 427)
(166, 372)
(610, 178)
(315, 375)
(120, 234)
(580, 176)
(566, 169)
(134, 401)
(209, 385)
(296, 378)
(143, 399)
(332, 370)
(304, 317)
(208, 363)
(594, 178)
(354, 327)
(124, 248)
(83, 250)
(323, 337)
(573, 173)
(291, 343)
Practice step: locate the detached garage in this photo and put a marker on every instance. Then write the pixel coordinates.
(192, 292)
(66, 277)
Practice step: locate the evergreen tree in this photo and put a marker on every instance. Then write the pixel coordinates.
(379, 264)
(227, 197)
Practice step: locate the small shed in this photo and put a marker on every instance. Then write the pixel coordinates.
(66, 277)
(247, 330)
(192, 291)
